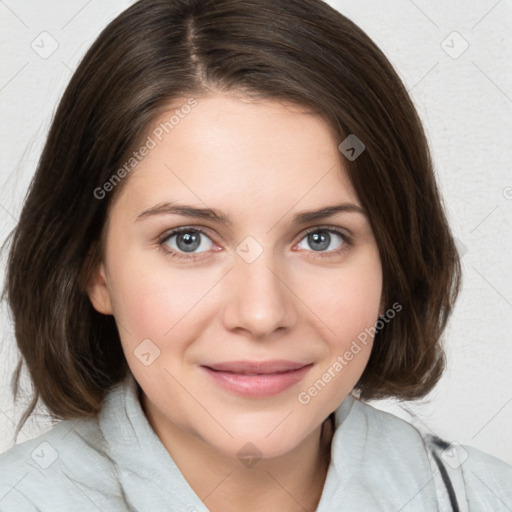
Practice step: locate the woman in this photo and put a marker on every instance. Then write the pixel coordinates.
(233, 238)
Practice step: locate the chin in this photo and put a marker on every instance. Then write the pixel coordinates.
(256, 444)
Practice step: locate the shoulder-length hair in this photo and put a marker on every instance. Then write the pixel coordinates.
(157, 50)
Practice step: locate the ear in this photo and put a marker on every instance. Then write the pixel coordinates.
(98, 292)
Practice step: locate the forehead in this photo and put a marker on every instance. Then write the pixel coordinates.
(233, 151)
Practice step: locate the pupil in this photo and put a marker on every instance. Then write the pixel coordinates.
(322, 240)
(191, 241)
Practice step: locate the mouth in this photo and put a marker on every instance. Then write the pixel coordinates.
(256, 367)
(256, 379)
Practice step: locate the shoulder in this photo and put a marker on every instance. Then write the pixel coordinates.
(488, 480)
(391, 432)
(380, 461)
(480, 479)
(66, 468)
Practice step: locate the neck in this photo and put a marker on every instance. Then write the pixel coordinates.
(292, 482)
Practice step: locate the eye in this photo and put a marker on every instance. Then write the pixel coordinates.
(330, 240)
(185, 241)
(188, 243)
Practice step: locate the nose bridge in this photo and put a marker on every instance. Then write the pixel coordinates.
(259, 300)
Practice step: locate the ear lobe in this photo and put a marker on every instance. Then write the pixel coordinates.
(97, 290)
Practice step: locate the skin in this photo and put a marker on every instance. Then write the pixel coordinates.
(260, 162)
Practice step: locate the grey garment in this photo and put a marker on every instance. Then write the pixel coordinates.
(116, 462)
(446, 462)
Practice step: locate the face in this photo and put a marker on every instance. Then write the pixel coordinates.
(264, 283)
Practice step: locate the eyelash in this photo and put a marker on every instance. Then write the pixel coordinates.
(347, 242)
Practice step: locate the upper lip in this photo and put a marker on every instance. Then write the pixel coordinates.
(256, 367)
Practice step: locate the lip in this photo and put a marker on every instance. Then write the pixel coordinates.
(257, 379)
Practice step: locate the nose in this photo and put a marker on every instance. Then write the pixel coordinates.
(258, 298)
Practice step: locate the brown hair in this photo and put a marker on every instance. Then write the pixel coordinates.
(296, 50)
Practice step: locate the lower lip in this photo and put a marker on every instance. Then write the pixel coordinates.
(257, 386)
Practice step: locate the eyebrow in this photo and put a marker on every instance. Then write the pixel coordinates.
(302, 217)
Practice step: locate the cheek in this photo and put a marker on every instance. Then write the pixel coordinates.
(152, 301)
(345, 307)
(346, 300)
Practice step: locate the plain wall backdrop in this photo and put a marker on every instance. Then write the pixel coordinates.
(454, 57)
